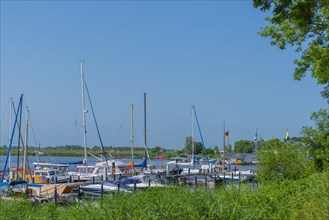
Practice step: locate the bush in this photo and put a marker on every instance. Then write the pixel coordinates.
(280, 161)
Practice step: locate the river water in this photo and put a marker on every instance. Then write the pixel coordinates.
(91, 161)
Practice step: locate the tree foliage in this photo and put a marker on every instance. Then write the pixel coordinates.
(303, 24)
(318, 138)
(279, 161)
(198, 146)
(244, 146)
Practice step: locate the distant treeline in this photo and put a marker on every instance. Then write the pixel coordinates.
(78, 151)
(241, 146)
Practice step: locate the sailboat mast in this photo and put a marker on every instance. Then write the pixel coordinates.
(26, 142)
(84, 111)
(193, 133)
(19, 109)
(39, 153)
(10, 128)
(132, 137)
(12, 136)
(224, 145)
(145, 129)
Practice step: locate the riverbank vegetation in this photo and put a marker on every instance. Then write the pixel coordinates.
(305, 198)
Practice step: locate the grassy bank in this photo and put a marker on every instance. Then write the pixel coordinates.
(302, 199)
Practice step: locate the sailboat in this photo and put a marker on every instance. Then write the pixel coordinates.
(83, 172)
(132, 164)
(142, 164)
(103, 168)
(188, 168)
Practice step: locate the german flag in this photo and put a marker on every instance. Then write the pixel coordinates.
(226, 135)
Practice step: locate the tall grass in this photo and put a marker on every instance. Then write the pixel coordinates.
(292, 199)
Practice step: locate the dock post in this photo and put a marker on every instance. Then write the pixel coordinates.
(27, 191)
(55, 196)
(118, 186)
(79, 193)
(102, 189)
(135, 184)
(196, 180)
(253, 181)
(205, 179)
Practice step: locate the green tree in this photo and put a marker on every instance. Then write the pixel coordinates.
(228, 148)
(188, 143)
(303, 24)
(280, 161)
(210, 151)
(216, 149)
(244, 146)
(317, 139)
(198, 146)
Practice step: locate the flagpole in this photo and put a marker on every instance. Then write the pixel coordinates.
(228, 145)
(224, 146)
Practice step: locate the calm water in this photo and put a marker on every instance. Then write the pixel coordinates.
(91, 161)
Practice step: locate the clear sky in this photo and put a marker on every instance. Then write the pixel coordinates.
(181, 53)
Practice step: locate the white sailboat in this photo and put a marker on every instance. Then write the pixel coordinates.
(188, 168)
(83, 172)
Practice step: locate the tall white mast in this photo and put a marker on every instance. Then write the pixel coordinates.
(224, 147)
(26, 142)
(84, 111)
(192, 160)
(132, 136)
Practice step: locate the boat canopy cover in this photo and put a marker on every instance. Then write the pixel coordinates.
(143, 164)
(73, 163)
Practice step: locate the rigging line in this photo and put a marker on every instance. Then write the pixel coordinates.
(197, 121)
(187, 126)
(32, 128)
(11, 138)
(24, 147)
(20, 137)
(19, 130)
(143, 141)
(2, 120)
(5, 109)
(122, 123)
(92, 110)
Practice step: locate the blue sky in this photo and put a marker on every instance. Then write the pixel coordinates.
(181, 53)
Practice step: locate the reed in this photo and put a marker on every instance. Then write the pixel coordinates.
(292, 199)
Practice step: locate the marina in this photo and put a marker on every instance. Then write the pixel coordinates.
(63, 185)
